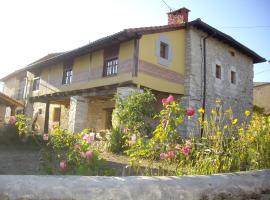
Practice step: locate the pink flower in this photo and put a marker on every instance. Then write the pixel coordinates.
(77, 146)
(126, 130)
(171, 155)
(190, 112)
(89, 154)
(89, 138)
(63, 165)
(168, 100)
(45, 136)
(186, 150)
(12, 120)
(164, 156)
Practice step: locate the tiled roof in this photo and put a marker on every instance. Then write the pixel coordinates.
(8, 101)
(132, 33)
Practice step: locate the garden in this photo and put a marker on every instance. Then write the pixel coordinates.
(144, 141)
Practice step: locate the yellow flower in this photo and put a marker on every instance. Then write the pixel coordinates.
(234, 121)
(225, 127)
(247, 113)
(214, 112)
(201, 110)
(218, 101)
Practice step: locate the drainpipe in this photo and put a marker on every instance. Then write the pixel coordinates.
(204, 79)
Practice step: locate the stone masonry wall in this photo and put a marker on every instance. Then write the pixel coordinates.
(238, 96)
(78, 113)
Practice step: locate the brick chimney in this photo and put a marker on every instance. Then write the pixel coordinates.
(178, 16)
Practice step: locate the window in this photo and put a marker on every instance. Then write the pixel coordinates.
(67, 75)
(232, 53)
(233, 77)
(111, 67)
(218, 71)
(164, 50)
(36, 83)
(56, 114)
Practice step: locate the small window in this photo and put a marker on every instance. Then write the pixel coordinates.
(233, 77)
(56, 114)
(67, 75)
(111, 67)
(164, 50)
(218, 71)
(36, 83)
(232, 53)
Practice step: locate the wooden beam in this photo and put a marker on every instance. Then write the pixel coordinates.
(136, 57)
(46, 122)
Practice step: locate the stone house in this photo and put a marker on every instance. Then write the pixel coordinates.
(8, 106)
(191, 60)
(261, 93)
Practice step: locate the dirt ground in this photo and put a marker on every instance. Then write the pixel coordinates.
(17, 160)
(25, 161)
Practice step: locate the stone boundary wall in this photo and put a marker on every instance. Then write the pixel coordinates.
(243, 185)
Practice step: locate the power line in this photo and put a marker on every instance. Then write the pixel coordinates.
(167, 5)
(245, 27)
(263, 71)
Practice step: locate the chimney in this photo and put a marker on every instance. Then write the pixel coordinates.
(179, 16)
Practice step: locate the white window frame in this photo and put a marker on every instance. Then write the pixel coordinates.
(164, 61)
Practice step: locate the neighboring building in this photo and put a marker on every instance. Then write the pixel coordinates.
(75, 89)
(8, 106)
(261, 93)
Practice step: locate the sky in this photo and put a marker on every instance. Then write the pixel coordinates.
(31, 29)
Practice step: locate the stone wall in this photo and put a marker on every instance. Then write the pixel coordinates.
(97, 113)
(235, 186)
(78, 113)
(239, 96)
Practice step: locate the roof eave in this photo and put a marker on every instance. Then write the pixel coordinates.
(226, 38)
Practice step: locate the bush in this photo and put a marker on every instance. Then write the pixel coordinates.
(227, 144)
(69, 153)
(116, 141)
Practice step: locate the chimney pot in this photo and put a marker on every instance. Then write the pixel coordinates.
(179, 16)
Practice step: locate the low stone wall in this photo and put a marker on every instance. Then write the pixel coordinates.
(243, 185)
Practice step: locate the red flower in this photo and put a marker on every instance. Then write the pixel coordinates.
(186, 150)
(171, 155)
(163, 156)
(89, 154)
(63, 165)
(168, 100)
(190, 112)
(12, 120)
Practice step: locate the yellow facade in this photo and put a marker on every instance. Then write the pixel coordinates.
(147, 50)
(88, 69)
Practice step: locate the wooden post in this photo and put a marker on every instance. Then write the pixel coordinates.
(13, 108)
(47, 112)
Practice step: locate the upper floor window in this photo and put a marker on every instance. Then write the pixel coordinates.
(36, 83)
(218, 71)
(67, 73)
(233, 77)
(164, 48)
(111, 67)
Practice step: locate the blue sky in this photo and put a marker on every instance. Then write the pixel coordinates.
(31, 29)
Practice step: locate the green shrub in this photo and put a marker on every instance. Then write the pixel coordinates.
(116, 141)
